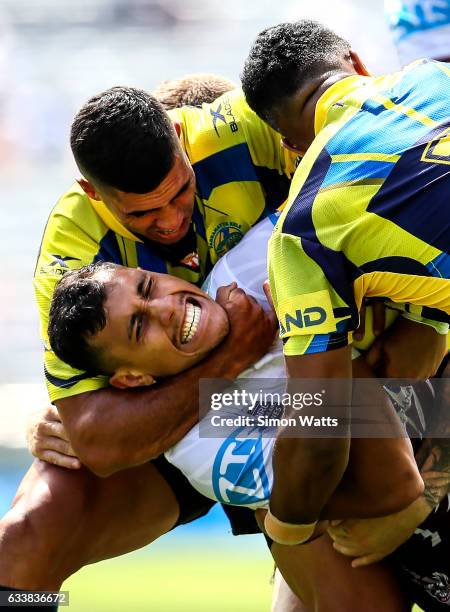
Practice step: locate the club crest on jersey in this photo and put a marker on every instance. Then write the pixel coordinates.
(438, 150)
(191, 261)
(225, 236)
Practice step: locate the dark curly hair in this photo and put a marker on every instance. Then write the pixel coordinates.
(283, 57)
(77, 312)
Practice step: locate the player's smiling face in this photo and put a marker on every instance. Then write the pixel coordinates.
(157, 324)
(162, 215)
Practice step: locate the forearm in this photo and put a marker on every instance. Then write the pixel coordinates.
(308, 470)
(433, 459)
(112, 429)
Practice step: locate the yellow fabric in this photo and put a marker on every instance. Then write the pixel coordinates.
(242, 174)
(359, 222)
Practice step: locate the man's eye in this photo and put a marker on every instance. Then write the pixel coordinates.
(138, 329)
(137, 214)
(148, 288)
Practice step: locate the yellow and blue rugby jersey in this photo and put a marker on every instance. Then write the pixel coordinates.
(242, 174)
(368, 209)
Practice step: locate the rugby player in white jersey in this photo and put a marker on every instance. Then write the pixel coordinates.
(202, 460)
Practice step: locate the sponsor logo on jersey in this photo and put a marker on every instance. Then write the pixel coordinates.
(225, 236)
(238, 475)
(306, 318)
(306, 314)
(58, 266)
(224, 113)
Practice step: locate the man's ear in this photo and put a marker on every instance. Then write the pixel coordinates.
(358, 64)
(177, 127)
(89, 189)
(124, 378)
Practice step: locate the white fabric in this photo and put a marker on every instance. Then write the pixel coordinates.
(236, 469)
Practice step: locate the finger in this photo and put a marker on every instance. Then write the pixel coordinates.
(268, 292)
(359, 332)
(336, 522)
(252, 299)
(367, 560)
(55, 430)
(60, 446)
(71, 463)
(223, 293)
(379, 317)
(374, 355)
(272, 319)
(344, 550)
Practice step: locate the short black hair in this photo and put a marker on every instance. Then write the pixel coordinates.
(77, 312)
(124, 139)
(283, 57)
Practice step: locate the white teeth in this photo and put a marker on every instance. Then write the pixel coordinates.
(190, 323)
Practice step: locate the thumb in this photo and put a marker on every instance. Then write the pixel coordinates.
(367, 560)
(223, 293)
(268, 293)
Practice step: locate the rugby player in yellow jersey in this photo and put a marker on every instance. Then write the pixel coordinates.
(366, 217)
(220, 169)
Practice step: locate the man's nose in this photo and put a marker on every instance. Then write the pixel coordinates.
(170, 218)
(163, 309)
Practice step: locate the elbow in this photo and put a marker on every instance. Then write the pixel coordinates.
(396, 499)
(396, 494)
(106, 458)
(101, 458)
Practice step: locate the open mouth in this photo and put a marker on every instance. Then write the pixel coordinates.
(192, 315)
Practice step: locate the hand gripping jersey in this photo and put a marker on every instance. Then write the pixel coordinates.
(368, 209)
(421, 28)
(242, 174)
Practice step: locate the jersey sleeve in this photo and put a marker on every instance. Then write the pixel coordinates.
(313, 315)
(66, 245)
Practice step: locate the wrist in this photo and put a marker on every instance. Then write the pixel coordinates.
(226, 363)
(288, 534)
(418, 511)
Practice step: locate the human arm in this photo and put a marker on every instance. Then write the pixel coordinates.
(370, 540)
(307, 470)
(393, 354)
(113, 429)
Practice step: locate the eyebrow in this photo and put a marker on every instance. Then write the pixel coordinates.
(141, 213)
(134, 316)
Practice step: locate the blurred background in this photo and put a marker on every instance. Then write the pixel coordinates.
(54, 55)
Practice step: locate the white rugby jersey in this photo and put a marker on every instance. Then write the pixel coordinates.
(236, 469)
